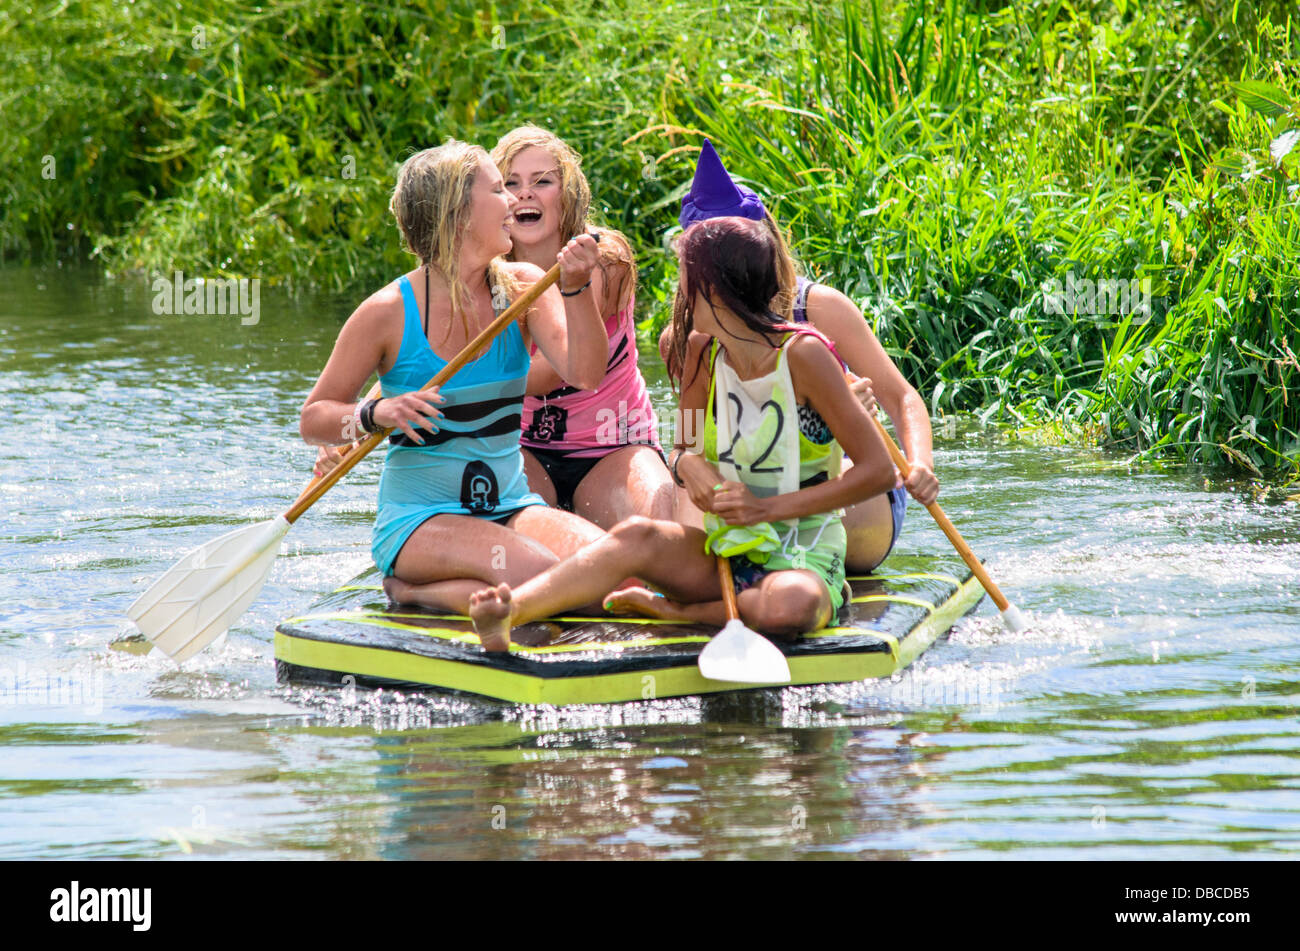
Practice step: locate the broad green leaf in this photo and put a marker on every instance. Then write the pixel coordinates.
(1262, 97)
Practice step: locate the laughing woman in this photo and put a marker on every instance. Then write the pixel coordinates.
(777, 410)
(455, 510)
(594, 452)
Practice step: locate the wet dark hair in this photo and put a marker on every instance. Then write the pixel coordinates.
(730, 262)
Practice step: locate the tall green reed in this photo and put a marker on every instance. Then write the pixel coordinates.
(943, 162)
(953, 177)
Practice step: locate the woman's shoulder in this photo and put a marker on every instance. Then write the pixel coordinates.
(381, 306)
(698, 342)
(615, 279)
(824, 299)
(697, 348)
(375, 327)
(812, 353)
(518, 276)
(614, 247)
(615, 272)
(837, 316)
(616, 288)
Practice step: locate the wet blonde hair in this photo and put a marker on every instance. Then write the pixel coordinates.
(432, 204)
(575, 197)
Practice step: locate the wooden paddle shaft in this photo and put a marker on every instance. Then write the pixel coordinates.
(949, 529)
(317, 488)
(728, 588)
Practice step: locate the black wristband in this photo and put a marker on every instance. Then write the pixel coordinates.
(367, 416)
(673, 468)
(578, 291)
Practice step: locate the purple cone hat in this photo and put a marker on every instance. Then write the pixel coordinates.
(714, 195)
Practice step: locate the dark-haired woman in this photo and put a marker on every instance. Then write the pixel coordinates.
(776, 410)
(872, 526)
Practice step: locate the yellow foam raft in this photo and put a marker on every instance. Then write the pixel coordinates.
(354, 632)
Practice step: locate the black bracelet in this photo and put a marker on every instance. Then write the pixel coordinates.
(673, 468)
(578, 291)
(367, 416)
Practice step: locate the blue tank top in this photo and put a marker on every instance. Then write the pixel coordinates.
(472, 465)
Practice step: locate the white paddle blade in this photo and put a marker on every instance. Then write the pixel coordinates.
(206, 591)
(1013, 619)
(743, 656)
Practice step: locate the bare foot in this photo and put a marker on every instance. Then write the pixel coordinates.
(399, 592)
(489, 609)
(642, 602)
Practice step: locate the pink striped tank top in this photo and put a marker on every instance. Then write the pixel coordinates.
(588, 424)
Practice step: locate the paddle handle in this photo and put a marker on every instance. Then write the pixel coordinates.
(944, 523)
(317, 488)
(728, 588)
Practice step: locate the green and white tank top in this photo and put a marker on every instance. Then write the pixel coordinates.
(752, 434)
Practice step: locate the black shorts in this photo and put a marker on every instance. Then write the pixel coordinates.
(567, 471)
(502, 517)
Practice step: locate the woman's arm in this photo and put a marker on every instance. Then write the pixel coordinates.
(569, 331)
(329, 414)
(542, 378)
(606, 287)
(840, 319)
(818, 378)
(692, 468)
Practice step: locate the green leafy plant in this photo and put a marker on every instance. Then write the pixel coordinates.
(953, 165)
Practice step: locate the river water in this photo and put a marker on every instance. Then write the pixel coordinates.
(1151, 711)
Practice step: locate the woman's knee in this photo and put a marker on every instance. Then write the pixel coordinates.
(869, 527)
(791, 605)
(639, 532)
(516, 564)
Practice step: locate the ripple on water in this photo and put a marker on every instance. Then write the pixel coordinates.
(1150, 710)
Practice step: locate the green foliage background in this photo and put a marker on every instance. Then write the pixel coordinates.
(938, 161)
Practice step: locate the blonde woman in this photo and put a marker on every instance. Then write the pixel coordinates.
(455, 510)
(593, 452)
(596, 451)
